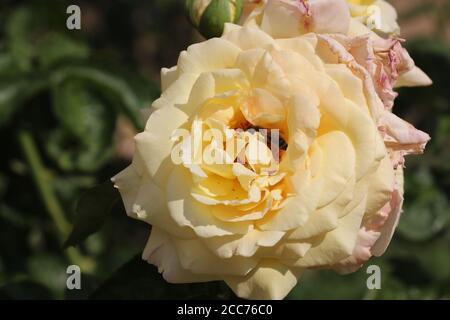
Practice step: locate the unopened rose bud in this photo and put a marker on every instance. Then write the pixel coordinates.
(210, 16)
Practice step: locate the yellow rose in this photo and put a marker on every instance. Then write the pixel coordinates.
(258, 225)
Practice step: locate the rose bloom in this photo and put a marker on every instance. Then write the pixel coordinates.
(378, 15)
(389, 64)
(331, 201)
(382, 61)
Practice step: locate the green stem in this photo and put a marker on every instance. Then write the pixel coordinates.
(48, 196)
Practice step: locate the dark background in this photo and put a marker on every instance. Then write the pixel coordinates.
(69, 102)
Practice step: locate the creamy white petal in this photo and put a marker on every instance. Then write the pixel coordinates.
(387, 231)
(196, 257)
(269, 280)
(246, 245)
(161, 252)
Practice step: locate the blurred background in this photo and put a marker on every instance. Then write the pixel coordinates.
(69, 107)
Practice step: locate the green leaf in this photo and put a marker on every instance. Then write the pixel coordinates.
(113, 87)
(30, 39)
(430, 259)
(8, 69)
(139, 280)
(93, 208)
(426, 208)
(86, 141)
(19, 29)
(435, 259)
(57, 47)
(70, 187)
(9, 93)
(48, 270)
(425, 218)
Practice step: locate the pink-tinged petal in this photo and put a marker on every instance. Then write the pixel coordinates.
(330, 16)
(250, 9)
(402, 136)
(361, 252)
(283, 18)
(397, 158)
(414, 78)
(395, 206)
(396, 58)
(339, 47)
(379, 219)
(384, 59)
(291, 18)
(376, 233)
(392, 60)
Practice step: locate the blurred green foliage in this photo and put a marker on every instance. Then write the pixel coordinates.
(63, 94)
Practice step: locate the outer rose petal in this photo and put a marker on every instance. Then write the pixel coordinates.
(381, 189)
(161, 252)
(376, 232)
(145, 201)
(168, 77)
(329, 16)
(389, 23)
(156, 146)
(177, 92)
(402, 136)
(196, 257)
(288, 18)
(337, 244)
(414, 78)
(377, 211)
(361, 252)
(395, 205)
(269, 280)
